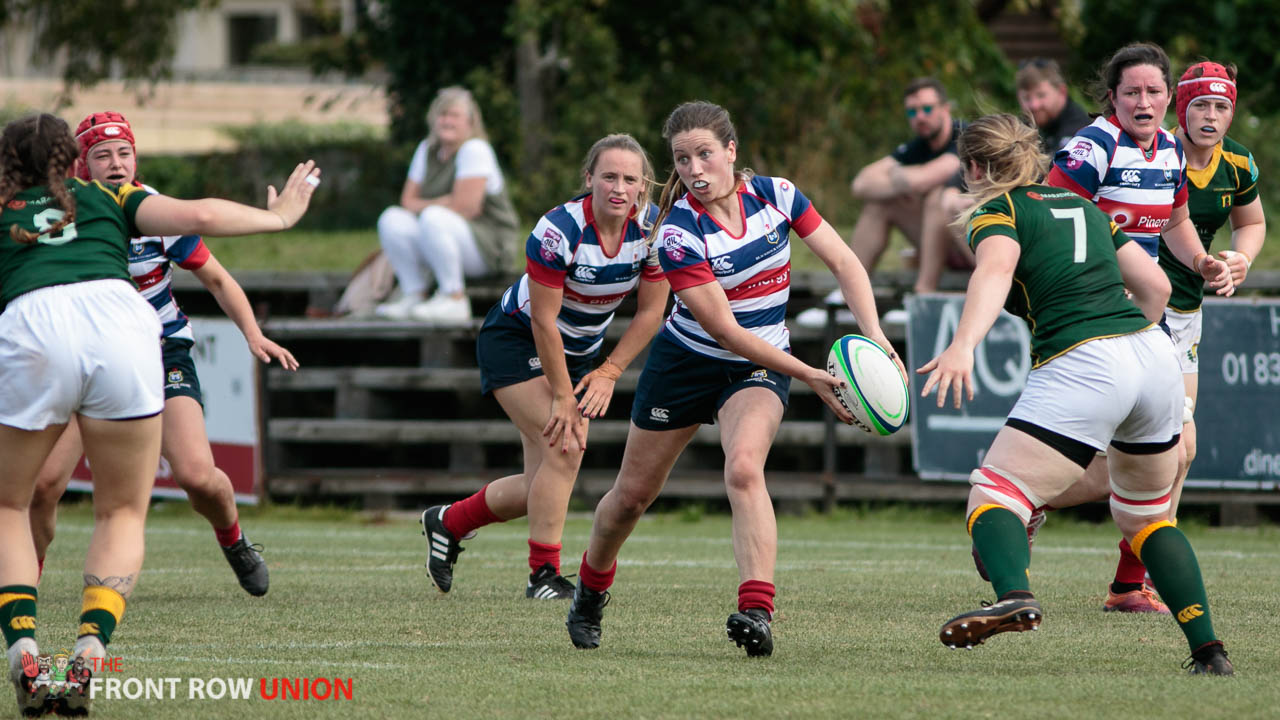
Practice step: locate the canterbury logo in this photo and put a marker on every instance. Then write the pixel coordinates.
(1130, 176)
(1217, 87)
(23, 622)
(1189, 613)
(88, 629)
(659, 414)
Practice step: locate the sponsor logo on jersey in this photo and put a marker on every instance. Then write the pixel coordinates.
(659, 414)
(550, 243)
(535, 363)
(1154, 223)
(1033, 195)
(17, 204)
(1120, 219)
(671, 243)
(1130, 177)
(1078, 153)
(722, 264)
(585, 273)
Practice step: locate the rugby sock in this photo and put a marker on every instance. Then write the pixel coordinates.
(1130, 572)
(18, 612)
(756, 594)
(100, 611)
(228, 536)
(466, 515)
(1174, 570)
(1001, 541)
(595, 579)
(541, 554)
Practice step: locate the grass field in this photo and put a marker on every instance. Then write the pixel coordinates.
(861, 597)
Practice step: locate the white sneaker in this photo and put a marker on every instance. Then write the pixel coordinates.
(817, 318)
(443, 309)
(397, 309)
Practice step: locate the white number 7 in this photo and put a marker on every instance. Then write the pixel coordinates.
(1076, 216)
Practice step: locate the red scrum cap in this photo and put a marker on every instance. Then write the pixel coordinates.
(97, 128)
(1204, 79)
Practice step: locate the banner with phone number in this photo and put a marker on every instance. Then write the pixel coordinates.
(1237, 413)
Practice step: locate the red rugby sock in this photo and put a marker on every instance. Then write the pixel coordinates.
(1130, 570)
(228, 535)
(466, 515)
(541, 553)
(756, 594)
(595, 579)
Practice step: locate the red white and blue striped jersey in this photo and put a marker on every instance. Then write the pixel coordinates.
(564, 251)
(753, 267)
(1103, 164)
(150, 265)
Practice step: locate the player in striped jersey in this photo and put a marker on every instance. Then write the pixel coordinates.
(535, 351)
(108, 154)
(1103, 377)
(723, 356)
(1135, 171)
(76, 337)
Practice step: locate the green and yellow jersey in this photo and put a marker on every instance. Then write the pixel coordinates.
(93, 247)
(1067, 284)
(1230, 179)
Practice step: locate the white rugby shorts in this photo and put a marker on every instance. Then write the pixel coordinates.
(1186, 328)
(1126, 388)
(89, 347)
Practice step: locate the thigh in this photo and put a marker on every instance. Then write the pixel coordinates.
(184, 438)
(24, 451)
(124, 455)
(396, 223)
(180, 377)
(749, 420)
(1043, 471)
(648, 459)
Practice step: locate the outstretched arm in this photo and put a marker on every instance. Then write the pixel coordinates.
(235, 304)
(988, 287)
(163, 215)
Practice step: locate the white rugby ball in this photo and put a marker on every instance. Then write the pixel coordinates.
(876, 395)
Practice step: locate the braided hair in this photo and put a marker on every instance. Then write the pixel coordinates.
(38, 150)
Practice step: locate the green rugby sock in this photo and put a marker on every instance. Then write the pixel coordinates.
(18, 612)
(1173, 568)
(1001, 541)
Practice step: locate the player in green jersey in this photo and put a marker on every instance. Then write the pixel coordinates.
(1104, 378)
(1223, 186)
(76, 337)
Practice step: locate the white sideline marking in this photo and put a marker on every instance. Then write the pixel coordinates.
(972, 423)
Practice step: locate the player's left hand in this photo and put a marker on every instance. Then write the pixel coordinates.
(596, 389)
(291, 204)
(264, 349)
(1238, 263)
(952, 370)
(883, 342)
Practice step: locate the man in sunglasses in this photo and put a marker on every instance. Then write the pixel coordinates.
(917, 189)
(1042, 93)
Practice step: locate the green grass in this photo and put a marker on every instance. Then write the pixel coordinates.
(861, 597)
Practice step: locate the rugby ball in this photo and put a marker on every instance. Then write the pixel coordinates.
(876, 395)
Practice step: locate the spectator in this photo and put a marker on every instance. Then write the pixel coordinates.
(917, 189)
(454, 219)
(1042, 93)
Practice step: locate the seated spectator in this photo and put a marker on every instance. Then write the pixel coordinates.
(918, 189)
(454, 220)
(1042, 93)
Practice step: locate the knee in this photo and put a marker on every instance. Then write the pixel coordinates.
(194, 475)
(633, 499)
(742, 475)
(393, 222)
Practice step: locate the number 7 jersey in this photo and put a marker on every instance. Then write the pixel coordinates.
(1067, 284)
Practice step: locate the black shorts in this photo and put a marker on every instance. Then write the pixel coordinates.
(180, 377)
(679, 387)
(507, 355)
